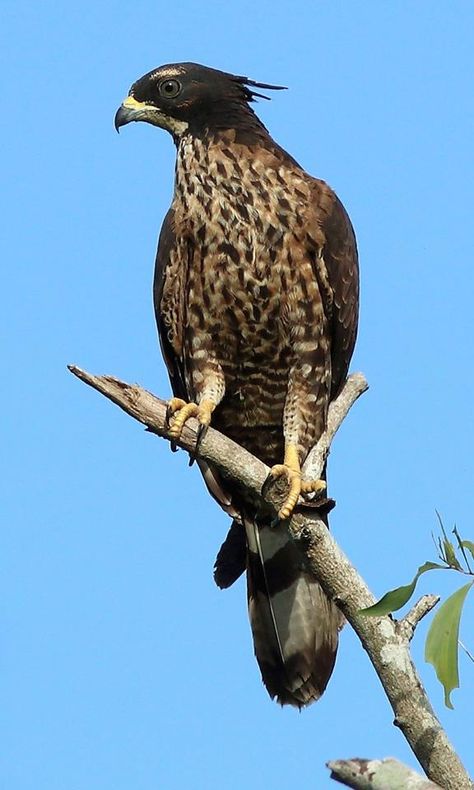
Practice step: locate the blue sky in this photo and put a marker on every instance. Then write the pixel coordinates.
(122, 664)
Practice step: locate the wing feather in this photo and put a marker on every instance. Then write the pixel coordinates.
(174, 361)
(174, 353)
(336, 267)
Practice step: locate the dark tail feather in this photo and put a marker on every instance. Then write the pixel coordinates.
(231, 560)
(295, 626)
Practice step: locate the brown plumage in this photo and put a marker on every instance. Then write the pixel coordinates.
(256, 300)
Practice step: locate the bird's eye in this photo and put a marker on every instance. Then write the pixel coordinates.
(169, 88)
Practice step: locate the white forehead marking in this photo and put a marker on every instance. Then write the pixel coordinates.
(171, 71)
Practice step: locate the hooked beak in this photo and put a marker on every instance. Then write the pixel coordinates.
(133, 110)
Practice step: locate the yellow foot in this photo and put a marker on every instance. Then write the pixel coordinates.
(313, 486)
(292, 471)
(180, 411)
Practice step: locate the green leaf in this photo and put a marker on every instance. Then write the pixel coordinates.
(395, 599)
(450, 554)
(441, 648)
(469, 545)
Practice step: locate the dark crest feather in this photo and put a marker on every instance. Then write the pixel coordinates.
(251, 94)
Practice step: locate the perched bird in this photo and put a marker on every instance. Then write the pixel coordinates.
(256, 301)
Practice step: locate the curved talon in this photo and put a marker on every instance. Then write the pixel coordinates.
(173, 405)
(180, 415)
(182, 411)
(313, 486)
(202, 430)
(292, 471)
(294, 479)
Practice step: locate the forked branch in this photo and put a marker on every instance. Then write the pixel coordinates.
(386, 644)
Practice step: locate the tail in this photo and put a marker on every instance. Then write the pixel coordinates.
(295, 626)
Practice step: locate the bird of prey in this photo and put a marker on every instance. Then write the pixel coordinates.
(256, 301)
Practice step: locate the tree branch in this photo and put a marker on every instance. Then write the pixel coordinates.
(378, 775)
(406, 626)
(386, 645)
(354, 387)
(228, 456)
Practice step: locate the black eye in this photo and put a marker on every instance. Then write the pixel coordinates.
(169, 88)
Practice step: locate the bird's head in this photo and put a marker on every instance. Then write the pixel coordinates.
(188, 98)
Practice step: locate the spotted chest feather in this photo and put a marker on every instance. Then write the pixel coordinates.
(241, 301)
(241, 227)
